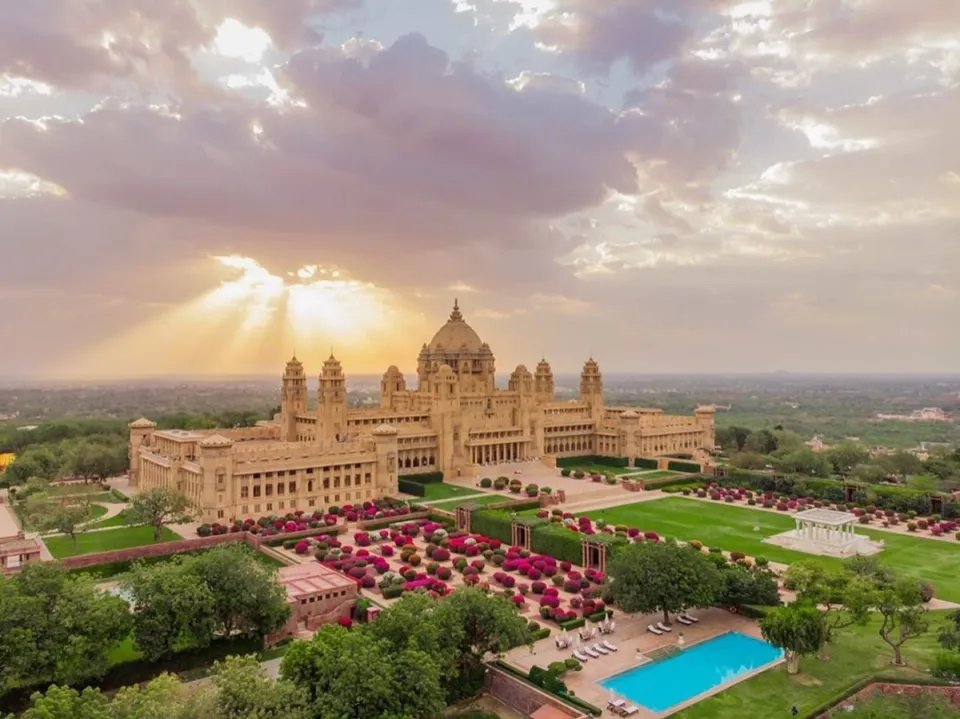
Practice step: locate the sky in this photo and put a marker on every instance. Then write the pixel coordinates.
(208, 186)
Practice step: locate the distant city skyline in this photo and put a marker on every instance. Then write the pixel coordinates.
(669, 186)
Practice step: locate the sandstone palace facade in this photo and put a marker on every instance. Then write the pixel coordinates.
(454, 421)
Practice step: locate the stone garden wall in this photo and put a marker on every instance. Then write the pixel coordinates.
(523, 697)
(952, 693)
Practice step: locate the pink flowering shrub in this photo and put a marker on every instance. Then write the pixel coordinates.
(301, 547)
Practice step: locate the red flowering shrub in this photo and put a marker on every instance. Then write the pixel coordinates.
(444, 573)
(565, 566)
(538, 587)
(386, 550)
(345, 622)
(651, 536)
(367, 582)
(301, 547)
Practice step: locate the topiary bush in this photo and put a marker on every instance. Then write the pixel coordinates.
(486, 483)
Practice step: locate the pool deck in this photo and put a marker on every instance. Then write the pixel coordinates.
(631, 636)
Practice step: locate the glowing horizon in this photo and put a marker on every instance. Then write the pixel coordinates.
(252, 322)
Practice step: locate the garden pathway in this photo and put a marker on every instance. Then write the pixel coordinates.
(113, 509)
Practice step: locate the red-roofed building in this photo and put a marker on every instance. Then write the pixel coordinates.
(317, 595)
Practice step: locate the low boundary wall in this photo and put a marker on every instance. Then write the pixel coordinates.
(159, 549)
(525, 698)
(951, 692)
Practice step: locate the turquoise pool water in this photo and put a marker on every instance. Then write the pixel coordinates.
(660, 685)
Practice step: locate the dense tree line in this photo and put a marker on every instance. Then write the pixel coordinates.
(57, 627)
(419, 655)
(783, 451)
(92, 448)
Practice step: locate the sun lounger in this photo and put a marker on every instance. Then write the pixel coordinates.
(653, 630)
(580, 657)
(663, 627)
(599, 649)
(629, 711)
(684, 620)
(590, 653)
(608, 645)
(690, 617)
(616, 705)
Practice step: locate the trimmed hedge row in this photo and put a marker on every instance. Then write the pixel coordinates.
(689, 467)
(424, 478)
(899, 499)
(663, 482)
(605, 460)
(417, 489)
(646, 463)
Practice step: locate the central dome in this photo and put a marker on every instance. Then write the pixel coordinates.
(456, 335)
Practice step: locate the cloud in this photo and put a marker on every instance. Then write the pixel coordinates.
(89, 44)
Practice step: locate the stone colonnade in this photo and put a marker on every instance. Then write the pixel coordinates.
(828, 533)
(499, 453)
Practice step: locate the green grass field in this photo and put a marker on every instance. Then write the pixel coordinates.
(858, 652)
(450, 505)
(117, 520)
(106, 540)
(732, 528)
(660, 473)
(440, 491)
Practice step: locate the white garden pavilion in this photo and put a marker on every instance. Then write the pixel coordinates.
(826, 526)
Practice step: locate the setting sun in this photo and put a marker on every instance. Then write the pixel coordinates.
(255, 318)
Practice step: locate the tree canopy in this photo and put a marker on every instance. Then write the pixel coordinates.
(663, 577)
(796, 628)
(158, 507)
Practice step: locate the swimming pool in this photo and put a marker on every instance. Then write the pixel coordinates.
(663, 684)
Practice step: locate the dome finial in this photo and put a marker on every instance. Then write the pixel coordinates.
(455, 316)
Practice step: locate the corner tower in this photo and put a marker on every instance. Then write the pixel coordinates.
(332, 402)
(591, 388)
(543, 382)
(293, 399)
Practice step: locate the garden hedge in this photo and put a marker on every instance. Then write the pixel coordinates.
(678, 466)
(406, 486)
(646, 463)
(662, 482)
(605, 460)
(423, 478)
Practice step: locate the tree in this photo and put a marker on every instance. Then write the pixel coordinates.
(158, 507)
(67, 703)
(96, 458)
(247, 600)
(349, 674)
(843, 598)
(755, 586)
(868, 473)
(796, 628)
(243, 691)
(475, 625)
(847, 455)
(47, 513)
(902, 464)
(663, 577)
(32, 462)
(803, 460)
(749, 460)
(174, 609)
(924, 482)
(55, 627)
(904, 616)
(949, 633)
(762, 442)
(164, 697)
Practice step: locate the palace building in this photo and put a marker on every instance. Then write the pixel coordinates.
(454, 421)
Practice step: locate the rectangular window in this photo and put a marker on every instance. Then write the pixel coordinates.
(336, 498)
(366, 478)
(256, 508)
(269, 506)
(310, 470)
(256, 490)
(244, 509)
(292, 488)
(244, 492)
(326, 499)
(310, 486)
(219, 514)
(326, 483)
(268, 475)
(281, 505)
(336, 483)
(280, 487)
(268, 490)
(256, 475)
(311, 502)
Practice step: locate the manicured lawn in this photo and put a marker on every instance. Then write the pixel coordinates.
(484, 499)
(659, 473)
(96, 510)
(857, 652)
(106, 540)
(440, 490)
(732, 528)
(117, 520)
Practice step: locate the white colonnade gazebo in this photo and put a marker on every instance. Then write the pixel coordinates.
(826, 526)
